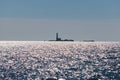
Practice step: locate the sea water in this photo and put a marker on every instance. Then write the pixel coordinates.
(36, 60)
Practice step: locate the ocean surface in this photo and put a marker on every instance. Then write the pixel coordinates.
(39, 60)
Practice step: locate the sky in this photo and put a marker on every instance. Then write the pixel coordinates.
(73, 19)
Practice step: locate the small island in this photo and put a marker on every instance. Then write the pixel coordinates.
(59, 39)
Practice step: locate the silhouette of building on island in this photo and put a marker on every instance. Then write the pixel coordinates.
(59, 39)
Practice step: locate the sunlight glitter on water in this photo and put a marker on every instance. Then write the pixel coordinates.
(42, 59)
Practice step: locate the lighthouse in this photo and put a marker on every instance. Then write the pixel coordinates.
(56, 36)
(59, 39)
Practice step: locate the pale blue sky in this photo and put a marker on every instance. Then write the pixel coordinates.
(76, 19)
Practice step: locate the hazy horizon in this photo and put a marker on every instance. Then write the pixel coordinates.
(77, 20)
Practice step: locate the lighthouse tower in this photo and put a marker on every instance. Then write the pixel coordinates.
(56, 36)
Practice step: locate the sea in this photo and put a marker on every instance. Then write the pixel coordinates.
(40, 60)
